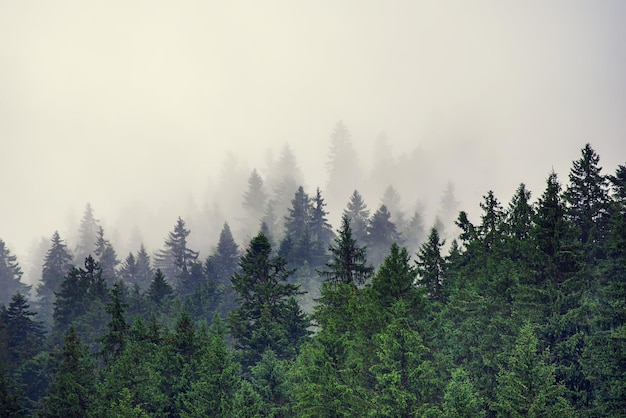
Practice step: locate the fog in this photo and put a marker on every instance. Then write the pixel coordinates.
(150, 110)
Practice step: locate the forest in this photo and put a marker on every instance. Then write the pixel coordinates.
(520, 313)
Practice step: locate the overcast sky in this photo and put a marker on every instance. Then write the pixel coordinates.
(112, 102)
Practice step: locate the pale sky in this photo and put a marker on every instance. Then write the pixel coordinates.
(120, 103)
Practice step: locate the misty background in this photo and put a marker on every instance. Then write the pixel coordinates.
(151, 110)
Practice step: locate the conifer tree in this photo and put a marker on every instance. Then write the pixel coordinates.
(87, 236)
(461, 400)
(10, 275)
(80, 290)
(263, 320)
(57, 264)
(72, 391)
(321, 230)
(358, 214)
(587, 200)
(106, 256)
(297, 242)
(431, 266)
(527, 385)
(381, 234)
(176, 258)
(159, 288)
(144, 268)
(221, 265)
(24, 334)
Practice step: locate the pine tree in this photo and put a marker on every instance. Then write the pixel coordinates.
(491, 222)
(80, 290)
(263, 320)
(114, 340)
(72, 392)
(347, 269)
(57, 264)
(381, 234)
(321, 230)
(358, 214)
(24, 334)
(175, 257)
(297, 246)
(587, 200)
(106, 256)
(220, 267)
(461, 400)
(10, 275)
(431, 266)
(87, 236)
(144, 268)
(527, 385)
(159, 289)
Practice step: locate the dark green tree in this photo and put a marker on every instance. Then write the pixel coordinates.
(527, 384)
(175, 258)
(265, 319)
(56, 266)
(587, 200)
(80, 290)
(220, 267)
(144, 272)
(297, 246)
(431, 266)
(114, 340)
(460, 399)
(160, 290)
(72, 391)
(24, 334)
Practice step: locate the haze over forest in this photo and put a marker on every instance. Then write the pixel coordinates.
(153, 110)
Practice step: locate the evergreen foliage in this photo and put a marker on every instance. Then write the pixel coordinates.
(10, 275)
(56, 265)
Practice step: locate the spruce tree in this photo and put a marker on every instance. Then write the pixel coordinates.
(264, 320)
(431, 266)
(358, 214)
(527, 384)
(221, 265)
(23, 333)
(10, 275)
(56, 265)
(381, 234)
(72, 392)
(176, 258)
(587, 200)
(87, 236)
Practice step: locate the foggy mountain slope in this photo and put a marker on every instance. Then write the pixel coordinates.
(133, 108)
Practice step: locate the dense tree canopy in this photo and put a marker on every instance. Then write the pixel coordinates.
(522, 313)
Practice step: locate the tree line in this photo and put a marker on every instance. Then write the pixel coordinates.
(521, 315)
